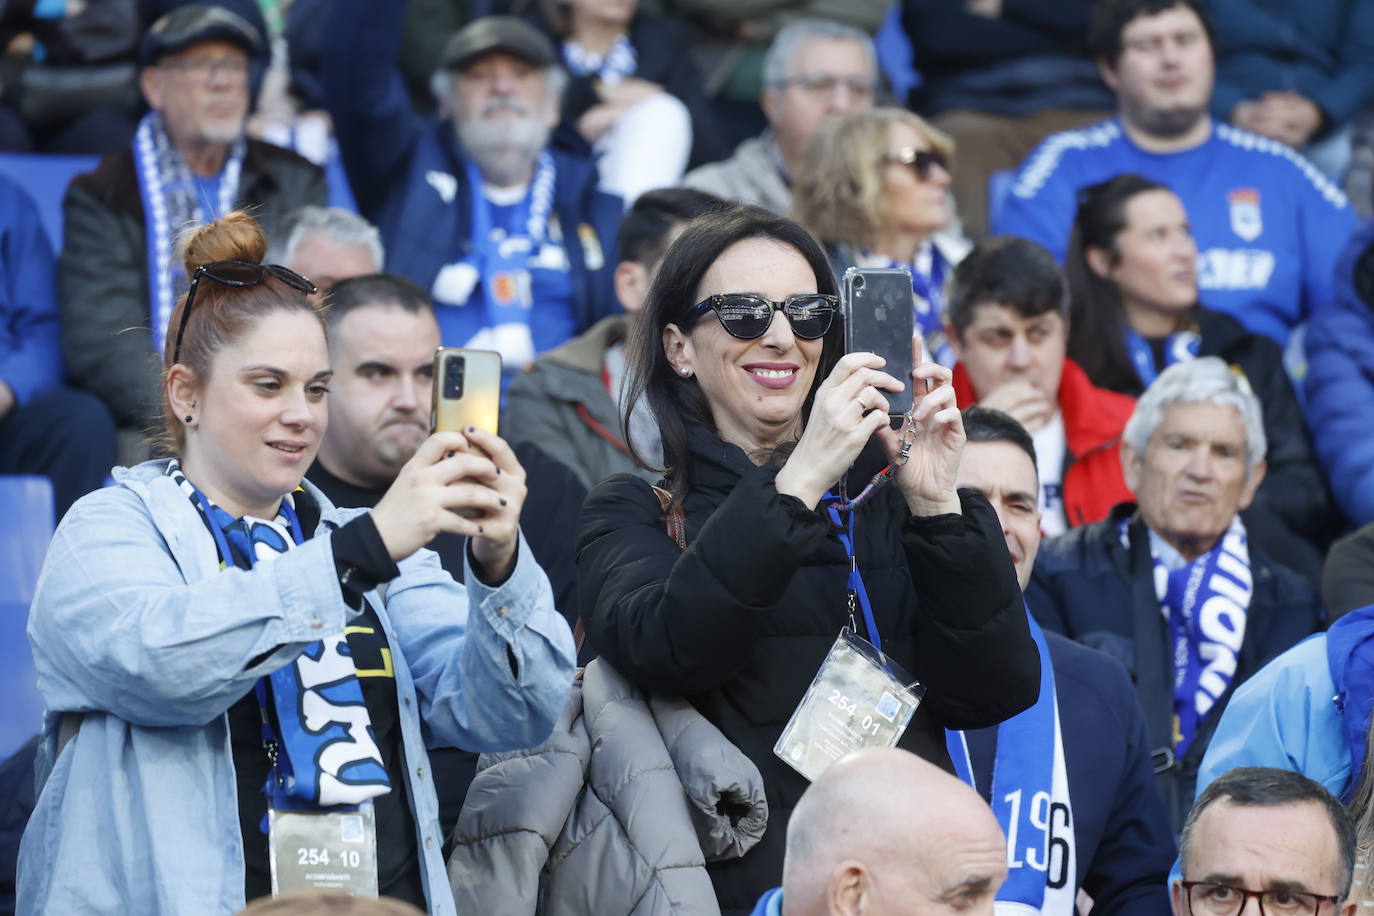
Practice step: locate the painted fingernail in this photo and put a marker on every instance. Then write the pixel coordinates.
(503, 502)
(479, 530)
(470, 429)
(498, 472)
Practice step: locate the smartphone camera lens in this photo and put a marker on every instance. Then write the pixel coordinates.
(454, 369)
(858, 282)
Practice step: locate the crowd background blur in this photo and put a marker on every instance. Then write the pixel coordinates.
(1094, 199)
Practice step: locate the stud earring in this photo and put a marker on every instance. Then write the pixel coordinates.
(188, 418)
(685, 372)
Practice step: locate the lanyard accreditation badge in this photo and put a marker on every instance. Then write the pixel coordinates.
(859, 697)
(309, 847)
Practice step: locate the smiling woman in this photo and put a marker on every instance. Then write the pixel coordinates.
(761, 416)
(211, 629)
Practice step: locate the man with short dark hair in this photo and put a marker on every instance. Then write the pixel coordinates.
(118, 277)
(510, 237)
(1008, 325)
(1171, 585)
(569, 402)
(1271, 834)
(1268, 225)
(1089, 748)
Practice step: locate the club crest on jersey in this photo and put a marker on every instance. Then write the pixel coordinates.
(1245, 213)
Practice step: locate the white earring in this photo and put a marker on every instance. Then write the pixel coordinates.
(685, 371)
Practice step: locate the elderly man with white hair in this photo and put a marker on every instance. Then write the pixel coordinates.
(1169, 584)
(512, 238)
(326, 245)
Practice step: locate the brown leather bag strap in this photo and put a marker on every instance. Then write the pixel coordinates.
(675, 522)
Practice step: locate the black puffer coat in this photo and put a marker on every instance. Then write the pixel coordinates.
(740, 621)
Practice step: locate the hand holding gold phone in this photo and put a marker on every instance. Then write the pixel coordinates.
(467, 392)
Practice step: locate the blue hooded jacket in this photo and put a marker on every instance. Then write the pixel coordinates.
(30, 358)
(1340, 379)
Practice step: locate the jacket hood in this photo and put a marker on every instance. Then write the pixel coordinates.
(586, 351)
(1350, 653)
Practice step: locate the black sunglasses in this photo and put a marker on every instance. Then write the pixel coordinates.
(921, 161)
(236, 273)
(748, 315)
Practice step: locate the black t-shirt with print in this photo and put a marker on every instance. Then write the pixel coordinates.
(398, 860)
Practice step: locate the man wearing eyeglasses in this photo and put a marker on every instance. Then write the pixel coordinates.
(118, 278)
(814, 69)
(1266, 842)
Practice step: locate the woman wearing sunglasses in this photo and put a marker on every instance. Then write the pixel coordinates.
(226, 657)
(874, 188)
(761, 415)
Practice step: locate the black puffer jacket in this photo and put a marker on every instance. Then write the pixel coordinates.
(740, 621)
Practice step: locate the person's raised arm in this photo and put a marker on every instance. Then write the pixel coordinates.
(366, 96)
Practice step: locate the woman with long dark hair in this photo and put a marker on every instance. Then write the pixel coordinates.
(765, 424)
(1134, 310)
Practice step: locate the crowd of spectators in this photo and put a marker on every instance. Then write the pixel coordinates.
(1120, 552)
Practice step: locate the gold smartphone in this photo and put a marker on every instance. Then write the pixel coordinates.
(467, 390)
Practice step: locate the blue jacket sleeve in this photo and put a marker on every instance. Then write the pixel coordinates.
(366, 96)
(1340, 401)
(1326, 222)
(30, 353)
(492, 672)
(1040, 205)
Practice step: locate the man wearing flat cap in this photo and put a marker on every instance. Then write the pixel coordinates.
(118, 276)
(510, 237)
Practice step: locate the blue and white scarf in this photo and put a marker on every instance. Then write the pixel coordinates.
(928, 272)
(327, 755)
(491, 288)
(1179, 347)
(617, 64)
(1030, 796)
(1206, 604)
(171, 201)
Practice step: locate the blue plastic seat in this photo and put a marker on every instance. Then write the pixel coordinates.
(26, 526)
(46, 177)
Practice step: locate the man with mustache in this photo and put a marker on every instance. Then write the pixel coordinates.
(510, 237)
(1170, 585)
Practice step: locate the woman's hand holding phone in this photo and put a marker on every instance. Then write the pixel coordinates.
(447, 476)
(927, 479)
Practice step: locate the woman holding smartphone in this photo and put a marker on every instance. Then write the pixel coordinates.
(240, 677)
(761, 416)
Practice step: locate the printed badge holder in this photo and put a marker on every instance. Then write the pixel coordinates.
(334, 850)
(859, 698)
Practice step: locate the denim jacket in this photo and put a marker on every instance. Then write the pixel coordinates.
(142, 644)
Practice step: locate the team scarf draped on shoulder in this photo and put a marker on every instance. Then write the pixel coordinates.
(1182, 346)
(1205, 604)
(171, 203)
(327, 754)
(1030, 796)
(619, 63)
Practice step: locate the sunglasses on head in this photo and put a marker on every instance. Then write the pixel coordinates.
(236, 273)
(920, 161)
(748, 315)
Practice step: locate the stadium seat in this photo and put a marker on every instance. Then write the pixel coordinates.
(26, 505)
(46, 177)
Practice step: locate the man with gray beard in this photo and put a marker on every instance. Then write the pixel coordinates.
(510, 237)
(118, 278)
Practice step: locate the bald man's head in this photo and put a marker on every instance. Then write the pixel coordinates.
(885, 833)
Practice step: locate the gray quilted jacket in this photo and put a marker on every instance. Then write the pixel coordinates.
(616, 814)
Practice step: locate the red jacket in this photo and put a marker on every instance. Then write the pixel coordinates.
(1093, 420)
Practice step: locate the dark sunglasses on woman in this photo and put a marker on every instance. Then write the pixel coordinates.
(236, 273)
(748, 315)
(920, 161)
